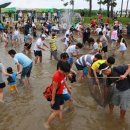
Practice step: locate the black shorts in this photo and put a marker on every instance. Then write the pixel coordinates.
(27, 45)
(2, 85)
(59, 100)
(104, 49)
(79, 67)
(37, 53)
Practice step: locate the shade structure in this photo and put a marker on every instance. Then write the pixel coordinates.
(6, 10)
(5, 5)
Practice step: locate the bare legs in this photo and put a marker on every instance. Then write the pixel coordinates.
(53, 115)
(122, 112)
(38, 59)
(1, 95)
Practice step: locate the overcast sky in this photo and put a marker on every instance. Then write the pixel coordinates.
(57, 4)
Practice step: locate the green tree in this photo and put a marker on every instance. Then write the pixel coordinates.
(100, 4)
(109, 3)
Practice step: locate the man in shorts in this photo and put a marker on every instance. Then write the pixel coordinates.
(73, 51)
(58, 82)
(23, 61)
(121, 90)
(38, 48)
(86, 61)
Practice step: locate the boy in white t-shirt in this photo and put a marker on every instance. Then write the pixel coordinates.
(66, 43)
(38, 48)
(73, 51)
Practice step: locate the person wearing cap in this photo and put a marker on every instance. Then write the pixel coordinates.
(86, 61)
(95, 66)
(38, 48)
(121, 90)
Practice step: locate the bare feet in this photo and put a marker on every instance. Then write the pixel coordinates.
(46, 125)
(1, 101)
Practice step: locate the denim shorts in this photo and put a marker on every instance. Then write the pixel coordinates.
(26, 71)
(70, 60)
(113, 40)
(67, 96)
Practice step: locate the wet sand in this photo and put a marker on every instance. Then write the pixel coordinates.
(29, 110)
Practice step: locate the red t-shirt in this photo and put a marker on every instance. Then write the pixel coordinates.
(107, 20)
(100, 16)
(93, 22)
(60, 79)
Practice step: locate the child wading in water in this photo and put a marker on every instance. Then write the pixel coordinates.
(53, 47)
(122, 45)
(12, 80)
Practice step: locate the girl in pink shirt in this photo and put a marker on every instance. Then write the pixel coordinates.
(114, 37)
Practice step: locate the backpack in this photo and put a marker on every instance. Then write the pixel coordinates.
(48, 92)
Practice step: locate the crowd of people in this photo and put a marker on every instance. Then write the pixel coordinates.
(76, 38)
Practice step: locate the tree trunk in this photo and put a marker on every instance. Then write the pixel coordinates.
(90, 7)
(100, 5)
(108, 7)
(111, 9)
(0, 15)
(127, 8)
(121, 8)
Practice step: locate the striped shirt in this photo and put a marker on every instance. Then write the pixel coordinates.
(85, 60)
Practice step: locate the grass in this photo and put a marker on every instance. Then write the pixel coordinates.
(123, 20)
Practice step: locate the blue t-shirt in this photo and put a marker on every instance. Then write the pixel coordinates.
(14, 79)
(22, 59)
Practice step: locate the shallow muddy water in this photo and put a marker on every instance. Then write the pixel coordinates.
(29, 110)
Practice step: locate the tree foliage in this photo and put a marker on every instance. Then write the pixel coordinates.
(109, 2)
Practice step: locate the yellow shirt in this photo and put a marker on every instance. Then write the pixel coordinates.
(96, 64)
(53, 46)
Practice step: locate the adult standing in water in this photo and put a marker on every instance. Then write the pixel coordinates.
(120, 95)
(38, 48)
(2, 82)
(24, 65)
